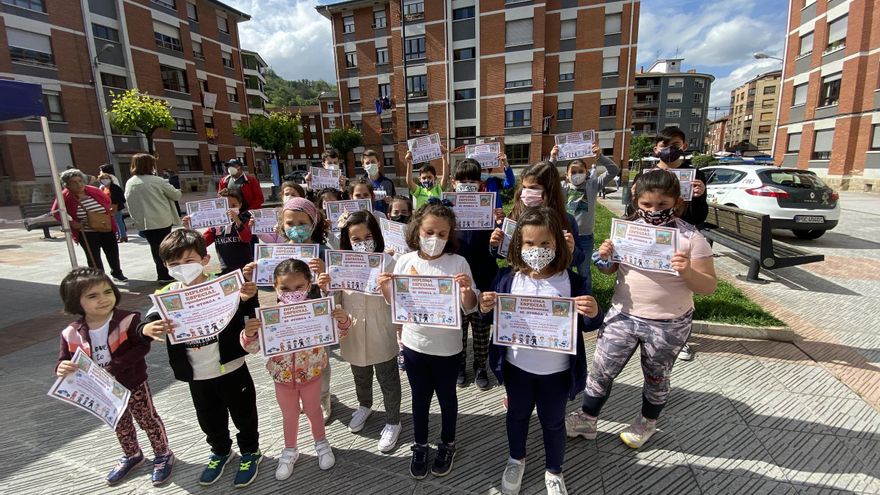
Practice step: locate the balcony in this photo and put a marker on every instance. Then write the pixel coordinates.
(647, 88)
(644, 117)
(645, 104)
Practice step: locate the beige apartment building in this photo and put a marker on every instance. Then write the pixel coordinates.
(753, 110)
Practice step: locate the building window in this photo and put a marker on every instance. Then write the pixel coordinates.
(517, 154)
(519, 75)
(330, 107)
(698, 97)
(806, 44)
(696, 112)
(231, 94)
(183, 120)
(695, 128)
(203, 84)
(875, 137)
(227, 60)
(113, 81)
(830, 92)
(564, 111)
(699, 83)
(676, 82)
(609, 66)
(673, 98)
(673, 113)
(223, 24)
(351, 60)
(165, 41)
(763, 142)
(381, 56)
(332, 123)
(517, 117)
(800, 95)
(837, 33)
(463, 13)
(35, 5)
(174, 79)
(105, 33)
(463, 54)
(354, 94)
(607, 107)
(568, 29)
(465, 94)
(764, 129)
(52, 104)
(769, 90)
(385, 90)
(192, 13)
(418, 124)
(465, 135)
(388, 163)
(822, 141)
(379, 19)
(566, 71)
(387, 127)
(168, 4)
(518, 32)
(30, 48)
(612, 23)
(794, 143)
(197, 50)
(188, 163)
(767, 104)
(414, 48)
(414, 9)
(348, 24)
(417, 86)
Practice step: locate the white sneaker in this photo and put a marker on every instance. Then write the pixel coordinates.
(686, 354)
(325, 407)
(388, 440)
(285, 464)
(359, 418)
(326, 459)
(554, 483)
(511, 480)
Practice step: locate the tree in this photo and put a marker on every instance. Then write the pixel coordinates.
(275, 133)
(345, 139)
(640, 147)
(700, 161)
(133, 111)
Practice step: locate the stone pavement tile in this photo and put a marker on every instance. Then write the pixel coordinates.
(722, 481)
(356, 477)
(848, 418)
(866, 450)
(739, 372)
(768, 350)
(809, 379)
(692, 399)
(626, 474)
(775, 409)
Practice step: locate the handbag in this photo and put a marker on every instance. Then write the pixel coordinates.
(99, 221)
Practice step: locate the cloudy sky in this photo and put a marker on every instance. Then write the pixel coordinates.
(717, 37)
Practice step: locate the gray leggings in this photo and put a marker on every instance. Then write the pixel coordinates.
(388, 377)
(659, 342)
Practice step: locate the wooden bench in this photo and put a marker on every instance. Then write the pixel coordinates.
(37, 216)
(749, 233)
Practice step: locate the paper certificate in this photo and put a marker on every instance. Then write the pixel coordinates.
(265, 220)
(208, 213)
(335, 209)
(202, 310)
(473, 211)
(267, 257)
(643, 246)
(350, 270)
(507, 228)
(575, 144)
(323, 178)
(686, 176)
(394, 234)
(486, 154)
(92, 389)
(295, 327)
(425, 148)
(426, 300)
(545, 323)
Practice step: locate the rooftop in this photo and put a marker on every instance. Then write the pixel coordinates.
(235, 11)
(328, 7)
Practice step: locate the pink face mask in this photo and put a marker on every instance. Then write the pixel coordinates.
(531, 197)
(292, 296)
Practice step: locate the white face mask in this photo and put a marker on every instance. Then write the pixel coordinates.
(232, 170)
(432, 246)
(186, 272)
(106, 182)
(466, 187)
(332, 166)
(372, 169)
(578, 179)
(538, 257)
(285, 198)
(367, 246)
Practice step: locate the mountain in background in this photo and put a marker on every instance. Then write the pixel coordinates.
(283, 93)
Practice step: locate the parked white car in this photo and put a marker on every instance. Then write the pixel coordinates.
(795, 199)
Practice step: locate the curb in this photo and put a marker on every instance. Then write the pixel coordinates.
(777, 334)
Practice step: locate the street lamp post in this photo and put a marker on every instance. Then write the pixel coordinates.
(762, 55)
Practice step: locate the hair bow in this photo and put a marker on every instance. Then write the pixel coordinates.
(444, 202)
(342, 220)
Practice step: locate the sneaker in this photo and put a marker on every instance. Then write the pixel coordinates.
(443, 461)
(164, 281)
(162, 466)
(119, 277)
(686, 354)
(578, 423)
(418, 465)
(461, 381)
(481, 379)
(554, 483)
(123, 467)
(326, 408)
(285, 464)
(388, 440)
(214, 469)
(638, 432)
(511, 480)
(401, 364)
(326, 459)
(248, 467)
(359, 418)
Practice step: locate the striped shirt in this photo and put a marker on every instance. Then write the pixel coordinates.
(87, 203)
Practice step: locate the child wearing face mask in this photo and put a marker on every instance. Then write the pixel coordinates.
(330, 161)
(581, 190)
(249, 185)
(214, 367)
(539, 261)
(383, 187)
(430, 185)
(649, 310)
(297, 374)
(117, 203)
(363, 189)
(495, 184)
(233, 241)
(432, 354)
(371, 343)
(290, 189)
(401, 209)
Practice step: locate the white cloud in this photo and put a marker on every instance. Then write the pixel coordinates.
(293, 38)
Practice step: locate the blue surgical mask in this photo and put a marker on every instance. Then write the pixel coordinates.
(484, 177)
(299, 233)
(427, 184)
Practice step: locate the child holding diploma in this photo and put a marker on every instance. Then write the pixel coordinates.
(233, 241)
(297, 374)
(650, 310)
(431, 353)
(539, 260)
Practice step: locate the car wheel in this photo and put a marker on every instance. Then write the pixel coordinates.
(808, 234)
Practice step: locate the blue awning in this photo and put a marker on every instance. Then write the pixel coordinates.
(20, 100)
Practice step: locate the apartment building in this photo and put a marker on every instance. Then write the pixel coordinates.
(511, 70)
(665, 97)
(254, 68)
(753, 112)
(829, 119)
(81, 52)
(307, 151)
(716, 135)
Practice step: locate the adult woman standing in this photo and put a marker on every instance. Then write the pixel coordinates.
(92, 225)
(150, 202)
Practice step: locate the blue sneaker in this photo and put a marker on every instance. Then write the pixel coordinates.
(248, 466)
(214, 469)
(123, 467)
(162, 466)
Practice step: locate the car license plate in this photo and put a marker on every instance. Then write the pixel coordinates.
(808, 219)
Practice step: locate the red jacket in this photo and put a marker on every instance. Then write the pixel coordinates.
(71, 202)
(251, 190)
(127, 347)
